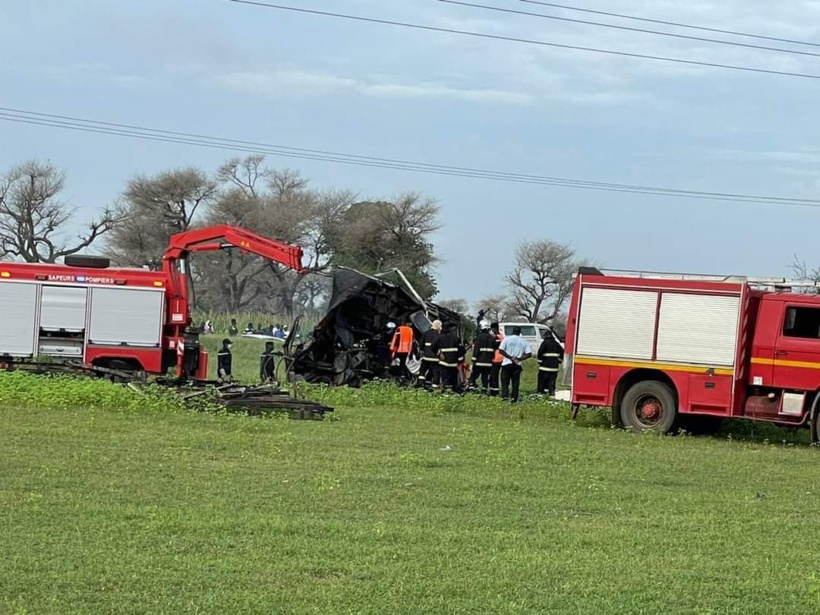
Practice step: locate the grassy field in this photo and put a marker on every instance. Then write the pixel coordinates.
(443, 507)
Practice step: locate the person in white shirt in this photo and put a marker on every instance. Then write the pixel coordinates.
(515, 350)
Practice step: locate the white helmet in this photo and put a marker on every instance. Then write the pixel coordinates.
(391, 325)
(484, 325)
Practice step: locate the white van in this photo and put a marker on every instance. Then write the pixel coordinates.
(530, 331)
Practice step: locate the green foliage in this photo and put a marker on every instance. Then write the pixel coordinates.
(376, 236)
(24, 390)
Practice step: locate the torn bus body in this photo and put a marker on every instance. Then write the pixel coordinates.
(350, 344)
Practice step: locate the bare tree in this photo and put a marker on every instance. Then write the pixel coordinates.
(541, 281)
(381, 235)
(281, 205)
(457, 305)
(32, 217)
(154, 208)
(245, 174)
(496, 306)
(801, 270)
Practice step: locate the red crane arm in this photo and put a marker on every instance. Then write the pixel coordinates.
(221, 237)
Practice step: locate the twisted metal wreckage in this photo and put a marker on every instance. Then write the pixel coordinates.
(350, 345)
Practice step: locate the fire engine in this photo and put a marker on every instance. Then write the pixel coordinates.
(658, 348)
(125, 319)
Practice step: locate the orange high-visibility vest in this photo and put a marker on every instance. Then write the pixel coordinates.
(498, 358)
(402, 341)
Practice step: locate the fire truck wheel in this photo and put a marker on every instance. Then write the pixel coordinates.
(649, 406)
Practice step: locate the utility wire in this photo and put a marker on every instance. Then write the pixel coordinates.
(513, 39)
(167, 136)
(672, 23)
(599, 24)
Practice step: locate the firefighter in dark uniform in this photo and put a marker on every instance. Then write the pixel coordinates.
(267, 364)
(550, 356)
(224, 361)
(447, 347)
(495, 370)
(428, 375)
(483, 353)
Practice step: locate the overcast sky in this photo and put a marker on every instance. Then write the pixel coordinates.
(244, 72)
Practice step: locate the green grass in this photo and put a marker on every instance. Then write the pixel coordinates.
(456, 505)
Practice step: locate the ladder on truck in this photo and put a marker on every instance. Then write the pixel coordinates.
(777, 283)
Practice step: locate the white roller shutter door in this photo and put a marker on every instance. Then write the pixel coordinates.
(123, 316)
(63, 307)
(18, 306)
(617, 323)
(698, 329)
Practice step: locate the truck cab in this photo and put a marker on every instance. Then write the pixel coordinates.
(785, 352)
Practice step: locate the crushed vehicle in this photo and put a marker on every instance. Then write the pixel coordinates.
(350, 345)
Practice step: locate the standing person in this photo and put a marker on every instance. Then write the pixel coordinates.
(550, 356)
(515, 350)
(495, 370)
(428, 376)
(483, 353)
(224, 361)
(450, 355)
(267, 364)
(479, 319)
(400, 348)
(233, 330)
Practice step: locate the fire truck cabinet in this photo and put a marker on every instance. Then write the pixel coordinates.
(18, 331)
(126, 317)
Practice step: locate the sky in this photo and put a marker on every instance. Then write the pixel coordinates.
(244, 72)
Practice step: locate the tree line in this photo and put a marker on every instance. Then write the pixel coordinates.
(334, 227)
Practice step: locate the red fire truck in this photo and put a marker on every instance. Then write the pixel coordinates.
(129, 320)
(657, 348)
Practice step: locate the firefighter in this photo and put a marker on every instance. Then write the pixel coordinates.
(483, 352)
(267, 364)
(400, 348)
(224, 361)
(550, 356)
(498, 359)
(450, 356)
(428, 375)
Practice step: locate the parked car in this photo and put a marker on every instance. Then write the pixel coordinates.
(530, 331)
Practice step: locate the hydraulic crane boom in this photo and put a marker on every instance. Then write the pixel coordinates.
(191, 359)
(223, 237)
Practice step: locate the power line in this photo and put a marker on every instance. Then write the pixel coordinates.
(513, 39)
(599, 24)
(673, 23)
(20, 116)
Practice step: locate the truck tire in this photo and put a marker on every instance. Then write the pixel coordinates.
(649, 406)
(87, 261)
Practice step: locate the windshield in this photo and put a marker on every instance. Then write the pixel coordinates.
(185, 274)
(421, 322)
